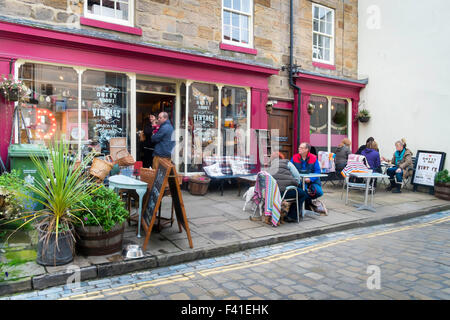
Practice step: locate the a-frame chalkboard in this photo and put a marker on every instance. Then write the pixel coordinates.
(165, 174)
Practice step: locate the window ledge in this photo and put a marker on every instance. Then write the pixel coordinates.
(324, 65)
(110, 26)
(230, 47)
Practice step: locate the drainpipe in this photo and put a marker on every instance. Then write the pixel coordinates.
(292, 68)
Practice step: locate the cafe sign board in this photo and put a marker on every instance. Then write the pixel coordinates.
(427, 165)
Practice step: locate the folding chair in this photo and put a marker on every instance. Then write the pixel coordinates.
(355, 163)
(356, 186)
(262, 183)
(293, 199)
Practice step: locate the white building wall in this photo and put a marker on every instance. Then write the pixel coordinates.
(404, 50)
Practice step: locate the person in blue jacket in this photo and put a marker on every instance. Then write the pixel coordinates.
(306, 162)
(164, 142)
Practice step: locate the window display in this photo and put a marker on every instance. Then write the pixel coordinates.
(234, 121)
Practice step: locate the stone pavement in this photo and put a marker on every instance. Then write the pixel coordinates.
(219, 226)
(403, 260)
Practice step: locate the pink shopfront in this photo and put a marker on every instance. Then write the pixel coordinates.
(92, 89)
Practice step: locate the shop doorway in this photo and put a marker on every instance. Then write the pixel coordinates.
(282, 120)
(151, 103)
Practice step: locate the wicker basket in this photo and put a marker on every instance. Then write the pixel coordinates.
(199, 185)
(148, 175)
(101, 168)
(124, 158)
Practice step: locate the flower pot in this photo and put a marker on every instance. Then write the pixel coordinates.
(94, 241)
(442, 190)
(52, 253)
(364, 119)
(13, 94)
(199, 186)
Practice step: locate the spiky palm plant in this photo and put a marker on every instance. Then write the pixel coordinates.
(60, 187)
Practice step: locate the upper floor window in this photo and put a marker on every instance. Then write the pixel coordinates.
(113, 11)
(237, 26)
(323, 34)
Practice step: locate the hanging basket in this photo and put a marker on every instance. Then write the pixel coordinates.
(364, 119)
(13, 95)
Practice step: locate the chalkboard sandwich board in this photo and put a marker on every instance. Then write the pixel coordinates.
(165, 174)
(428, 163)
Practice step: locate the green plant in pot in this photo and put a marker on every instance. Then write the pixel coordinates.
(442, 185)
(363, 115)
(102, 218)
(59, 186)
(11, 204)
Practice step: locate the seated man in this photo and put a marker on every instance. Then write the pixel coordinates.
(305, 162)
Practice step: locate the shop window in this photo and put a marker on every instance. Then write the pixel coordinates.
(52, 108)
(113, 11)
(237, 22)
(234, 121)
(323, 34)
(104, 109)
(319, 123)
(202, 123)
(339, 122)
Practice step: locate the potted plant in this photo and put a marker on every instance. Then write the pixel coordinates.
(311, 108)
(11, 205)
(442, 185)
(101, 224)
(363, 115)
(13, 90)
(59, 186)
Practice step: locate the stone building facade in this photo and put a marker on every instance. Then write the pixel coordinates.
(194, 28)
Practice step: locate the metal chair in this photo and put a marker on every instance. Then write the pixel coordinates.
(356, 186)
(293, 199)
(262, 183)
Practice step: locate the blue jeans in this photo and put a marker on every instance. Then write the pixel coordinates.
(302, 196)
(391, 173)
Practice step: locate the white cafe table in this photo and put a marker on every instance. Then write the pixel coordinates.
(309, 175)
(125, 182)
(368, 176)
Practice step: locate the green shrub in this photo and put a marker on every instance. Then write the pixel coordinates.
(103, 208)
(442, 177)
(11, 203)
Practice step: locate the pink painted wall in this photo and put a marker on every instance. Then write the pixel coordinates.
(6, 113)
(286, 105)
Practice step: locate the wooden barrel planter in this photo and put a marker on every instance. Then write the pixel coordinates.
(199, 186)
(94, 241)
(442, 190)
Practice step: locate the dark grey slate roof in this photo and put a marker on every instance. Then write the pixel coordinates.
(362, 81)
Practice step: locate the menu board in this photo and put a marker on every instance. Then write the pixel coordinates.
(428, 164)
(154, 196)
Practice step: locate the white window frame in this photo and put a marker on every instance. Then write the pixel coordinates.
(332, 36)
(129, 22)
(250, 29)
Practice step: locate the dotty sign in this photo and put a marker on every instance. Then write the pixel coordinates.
(428, 164)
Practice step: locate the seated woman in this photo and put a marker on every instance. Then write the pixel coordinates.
(402, 161)
(373, 156)
(305, 162)
(362, 147)
(342, 152)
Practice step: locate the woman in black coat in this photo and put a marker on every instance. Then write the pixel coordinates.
(147, 144)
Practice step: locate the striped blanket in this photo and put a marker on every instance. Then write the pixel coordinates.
(355, 163)
(272, 196)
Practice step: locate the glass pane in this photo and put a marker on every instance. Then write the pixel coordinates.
(315, 39)
(316, 25)
(227, 17)
(105, 108)
(244, 34)
(329, 16)
(246, 6)
(203, 116)
(329, 29)
(235, 20)
(236, 34)
(326, 42)
(227, 4)
(320, 41)
(237, 4)
(244, 22)
(90, 6)
(322, 13)
(143, 85)
(52, 108)
(326, 55)
(122, 12)
(322, 27)
(227, 33)
(316, 12)
(318, 127)
(234, 121)
(107, 9)
(339, 122)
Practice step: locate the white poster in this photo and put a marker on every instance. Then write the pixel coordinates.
(427, 167)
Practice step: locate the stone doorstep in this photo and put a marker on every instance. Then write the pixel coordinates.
(127, 266)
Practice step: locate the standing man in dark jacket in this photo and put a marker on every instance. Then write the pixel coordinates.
(163, 140)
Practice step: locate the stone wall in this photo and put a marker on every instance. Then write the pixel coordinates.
(196, 25)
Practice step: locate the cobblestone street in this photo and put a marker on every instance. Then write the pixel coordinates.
(412, 257)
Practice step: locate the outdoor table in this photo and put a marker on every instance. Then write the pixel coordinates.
(125, 182)
(309, 175)
(368, 176)
(251, 180)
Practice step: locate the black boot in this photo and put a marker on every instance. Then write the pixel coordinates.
(389, 188)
